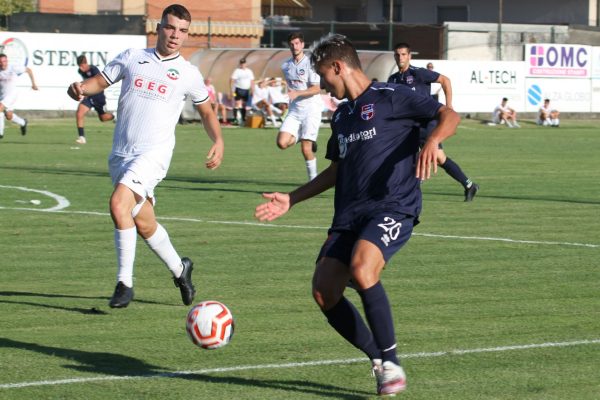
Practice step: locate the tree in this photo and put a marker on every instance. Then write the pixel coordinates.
(8, 7)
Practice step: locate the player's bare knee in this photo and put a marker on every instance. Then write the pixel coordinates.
(145, 228)
(283, 143)
(9, 114)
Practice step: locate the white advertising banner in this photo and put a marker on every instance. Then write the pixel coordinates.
(558, 60)
(595, 106)
(52, 58)
(566, 95)
(479, 86)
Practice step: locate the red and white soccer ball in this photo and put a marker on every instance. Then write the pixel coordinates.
(210, 324)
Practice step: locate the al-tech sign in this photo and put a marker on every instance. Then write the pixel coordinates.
(558, 60)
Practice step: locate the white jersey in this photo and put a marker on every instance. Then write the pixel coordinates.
(301, 76)
(242, 78)
(151, 99)
(8, 80)
(277, 96)
(259, 94)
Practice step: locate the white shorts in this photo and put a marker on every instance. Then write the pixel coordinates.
(9, 101)
(303, 124)
(140, 173)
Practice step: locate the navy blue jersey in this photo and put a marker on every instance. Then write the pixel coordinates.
(375, 141)
(90, 72)
(418, 79)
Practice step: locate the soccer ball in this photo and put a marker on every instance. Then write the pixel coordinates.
(210, 324)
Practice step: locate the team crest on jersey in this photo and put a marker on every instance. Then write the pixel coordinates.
(367, 111)
(410, 79)
(173, 74)
(301, 71)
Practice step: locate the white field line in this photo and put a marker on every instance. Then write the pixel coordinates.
(63, 203)
(459, 352)
(259, 224)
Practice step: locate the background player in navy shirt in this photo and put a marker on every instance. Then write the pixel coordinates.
(375, 168)
(97, 101)
(420, 80)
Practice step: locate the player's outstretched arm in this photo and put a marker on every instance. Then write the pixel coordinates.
(427, 161)
(94, 85)
(278, 204)
(213, 130)
(447, 88)
(32, 78)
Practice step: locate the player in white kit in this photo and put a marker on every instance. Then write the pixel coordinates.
(154, 84)
(304, 116)
(8, 92)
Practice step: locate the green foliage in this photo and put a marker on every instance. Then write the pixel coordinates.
(8, 7)
(459, 284)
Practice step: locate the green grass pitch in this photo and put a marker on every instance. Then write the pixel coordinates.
(494, 299)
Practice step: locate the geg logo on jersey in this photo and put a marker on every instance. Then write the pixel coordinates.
(367, 111)
(150, 88)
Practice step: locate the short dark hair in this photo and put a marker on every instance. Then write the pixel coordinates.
(178, 11)
(548, 100)
(295, 35)
(334, 47)
(504, 99)
(81, 59)
(2, 55)
(402, 45)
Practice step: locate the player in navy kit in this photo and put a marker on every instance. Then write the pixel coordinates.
(375, 168)
(420, 80)
(97, 102)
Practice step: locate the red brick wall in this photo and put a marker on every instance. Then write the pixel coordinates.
(56, 6)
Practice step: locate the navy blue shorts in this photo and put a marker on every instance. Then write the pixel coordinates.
(97, 102)
(241, 94)
(388, 231)
(425, 131)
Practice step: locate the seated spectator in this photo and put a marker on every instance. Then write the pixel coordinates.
(261, 100)
(503, 114)
(278, 96)
(547, 115)
(215, 101)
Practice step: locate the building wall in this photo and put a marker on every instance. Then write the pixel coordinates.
(514, 11)
(231, 12)
(425, 11)
(56, 6)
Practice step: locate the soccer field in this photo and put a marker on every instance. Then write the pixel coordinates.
(494, 299)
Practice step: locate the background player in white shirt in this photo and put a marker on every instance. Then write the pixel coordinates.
(505, 114)
(154, 84)
(278, 96)
(261, 99)
(8, 92)
(304, 115)
(548, 116)
(242, 85)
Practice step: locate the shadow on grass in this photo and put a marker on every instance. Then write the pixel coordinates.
(120, 365)
(290, 386)
(89, 361)
(459, 194)
(94, 310)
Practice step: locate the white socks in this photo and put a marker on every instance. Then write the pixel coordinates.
(125, 245)
(161, 245)
(18, 120)
(311, 168)
(2, 123)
